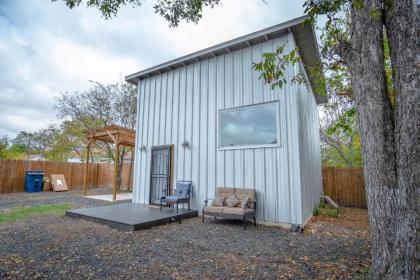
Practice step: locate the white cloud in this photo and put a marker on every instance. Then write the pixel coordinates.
(46, 48)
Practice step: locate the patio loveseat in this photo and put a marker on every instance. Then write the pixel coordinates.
(232, 203)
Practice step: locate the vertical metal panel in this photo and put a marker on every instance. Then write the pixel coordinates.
(220, 103)
(183, 104)
(157, 110)
(169, 107)
(229, 102)
(293, 144)
(196, 165)
(142, 134)
(212, 128)
(238, 93)
(137, 158)
(260, 183)
(175, 121)
(163, 105)
(182, 123)
(271, 184)
(248, 80)
(310, 158)
(282, 194)
(257, 84)
(147, 139)
(189, 128)
(283, 197)
(202, 105)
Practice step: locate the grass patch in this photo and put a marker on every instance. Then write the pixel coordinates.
(21, 213)
(330, 212)
(324, 209)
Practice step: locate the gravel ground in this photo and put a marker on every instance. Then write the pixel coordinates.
(74, 198)
(58, 247)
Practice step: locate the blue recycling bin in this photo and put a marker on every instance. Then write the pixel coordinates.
(34, 181)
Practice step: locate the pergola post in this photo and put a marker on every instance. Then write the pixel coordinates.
(86, 169)
(116, 164)
(131, 170)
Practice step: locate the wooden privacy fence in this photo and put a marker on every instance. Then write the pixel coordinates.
(346, 186)
(12, 174)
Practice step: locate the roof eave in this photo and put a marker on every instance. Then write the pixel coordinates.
(219, 49)
(305, 39)
(308, 49)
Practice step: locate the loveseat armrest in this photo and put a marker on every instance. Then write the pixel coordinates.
(207, 201)
(255, 206)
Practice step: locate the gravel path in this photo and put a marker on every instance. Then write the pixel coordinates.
(58, 247)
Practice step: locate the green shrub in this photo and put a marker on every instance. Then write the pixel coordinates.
(315, 212)
(323, 204)
(325, 210)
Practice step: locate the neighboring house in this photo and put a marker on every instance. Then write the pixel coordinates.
(74, 160)
(206, 117)
(34, 157)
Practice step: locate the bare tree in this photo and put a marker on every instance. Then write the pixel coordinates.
(100, 106)
(37, 142)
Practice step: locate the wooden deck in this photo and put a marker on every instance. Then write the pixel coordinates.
(131, 216)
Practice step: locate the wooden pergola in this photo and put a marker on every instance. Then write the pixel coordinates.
(113, 134)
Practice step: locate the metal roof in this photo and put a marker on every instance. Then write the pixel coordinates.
(303, 33)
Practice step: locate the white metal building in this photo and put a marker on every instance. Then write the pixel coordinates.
(206, 117)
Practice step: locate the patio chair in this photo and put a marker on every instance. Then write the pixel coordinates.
(181, 194)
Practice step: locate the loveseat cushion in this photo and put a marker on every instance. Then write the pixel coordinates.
(225, 192)
(232, 201)
(218, 201)
(213, 209)
(236, 211)
(243, 193)
(245, 202)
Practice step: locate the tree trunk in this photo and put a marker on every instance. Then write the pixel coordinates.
(375, 117)
(402, 22)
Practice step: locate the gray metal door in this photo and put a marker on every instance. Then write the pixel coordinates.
(160, 173)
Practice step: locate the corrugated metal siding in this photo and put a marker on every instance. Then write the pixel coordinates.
(183, 105)
(309, 148)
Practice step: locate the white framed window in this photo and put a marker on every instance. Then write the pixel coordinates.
(250, 126)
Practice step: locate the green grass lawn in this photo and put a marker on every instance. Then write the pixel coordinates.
(20, 213)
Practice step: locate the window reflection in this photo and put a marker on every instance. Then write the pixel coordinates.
(251, 125)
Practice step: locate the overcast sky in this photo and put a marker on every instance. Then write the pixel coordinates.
(46, 48)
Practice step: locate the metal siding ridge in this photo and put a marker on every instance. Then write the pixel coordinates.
(213, 62)
(136, 174)
(196, 127)
(147, 142)
(189, 122)
(175, 122)
(203, 81)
